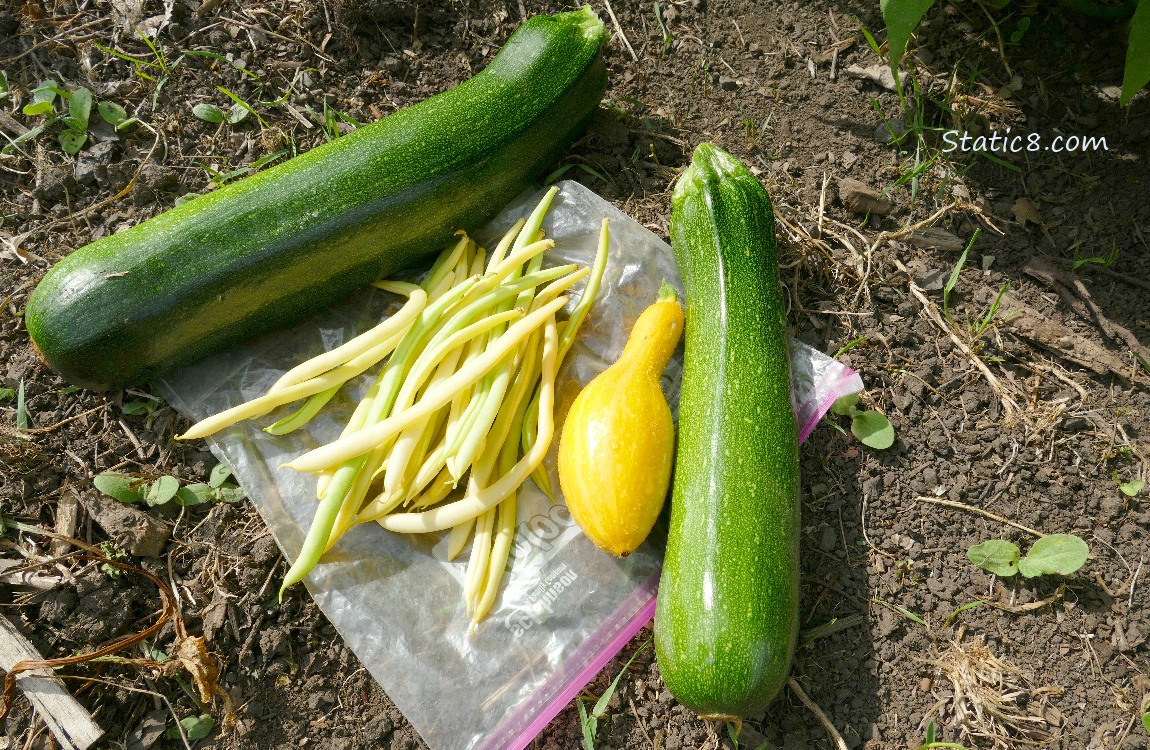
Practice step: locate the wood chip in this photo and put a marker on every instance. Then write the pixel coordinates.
(862, 199)
(934, 238)
(880, 74)
(1051, 335)
(1041, 329)
(69, 722)
(1075, 293)
(67, 516)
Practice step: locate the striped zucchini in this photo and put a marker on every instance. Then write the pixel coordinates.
(727, 612)
(268, 250)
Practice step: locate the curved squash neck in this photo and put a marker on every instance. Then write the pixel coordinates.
(653, 339)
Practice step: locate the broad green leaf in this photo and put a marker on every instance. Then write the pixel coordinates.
(236, 114)
(162, 490)
(1059, 554)
(198, 727)
(121, 487)
(72, 141)
(42, 98)
(997, 556)
(7, 394)
(1131, 488)
(873, 430)
(235, 117)
(136, 408)
(195, 727)
(845, 405)
(112, 113)
(219, 474)
(1137, 72)
(80, 109)
(194, 494)
(209, 113)
(230, 493)
(1020, 30)
(38, 108)
(1146, 720)
(901, 17)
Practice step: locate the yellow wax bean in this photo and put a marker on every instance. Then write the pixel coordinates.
(257, 407)
(500, 250)
(457, 538)
(367, 438)
(396, 287)
(391, 329)
(478, 502)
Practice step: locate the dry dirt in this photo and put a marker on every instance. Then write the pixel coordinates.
(1033, 417)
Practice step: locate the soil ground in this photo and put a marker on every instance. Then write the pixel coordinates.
(1030, 411)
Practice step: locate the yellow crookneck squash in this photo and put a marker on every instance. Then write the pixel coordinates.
(618, 441)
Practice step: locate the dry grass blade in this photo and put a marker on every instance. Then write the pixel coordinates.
(988, 692)
(979, 511)
(797, 689)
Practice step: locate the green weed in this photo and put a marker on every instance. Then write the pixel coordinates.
(1053, 554)
(982, 325)
(1131, 488)
(589, 721)
(22, 421)
(220, 178)
(75, 116)
(167, 489)
(959, 610)
(1108, 262)
(952, 281)
(668, 39)
(901, 610)
(930, 741)
(870, 427)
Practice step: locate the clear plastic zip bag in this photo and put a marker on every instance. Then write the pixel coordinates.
(566, 608)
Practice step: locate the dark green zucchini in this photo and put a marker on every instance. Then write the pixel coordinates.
(272, 248)
(727, 612)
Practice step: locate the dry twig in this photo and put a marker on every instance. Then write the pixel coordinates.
(795, 687)
(979, 511)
